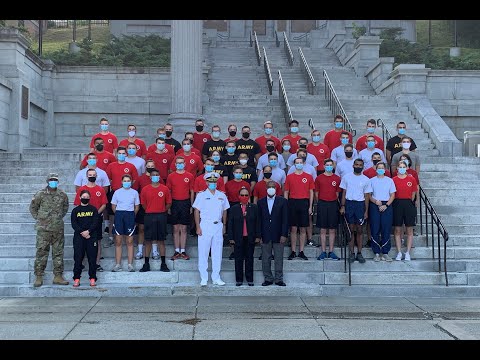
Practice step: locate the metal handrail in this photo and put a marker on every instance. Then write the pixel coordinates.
(311, 83)
(311, 124)
(277, 40)
(335, 105)
(429, 209)
(251, 41)
(288, 50)
(257, 49)
(268, 73)
(282, 94)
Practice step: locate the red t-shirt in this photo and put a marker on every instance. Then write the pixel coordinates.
(115, 171)
(260, 189)
(232, 188)
(154, 199)
(332, 139)
(193, 164)
(410, 172)
(262, 140)
(103, 159)
(180, 185)
(97, 196)
(228, 139)
(372, 172)
(162, 162)
(141, 147)
(145, 180)
(193, 151)
(327, 187)
(360, 144)
(299, 185)
(201, 185)
(169, 149)
(110, 142)
(293, 142)
(405, 187)
(200, 139)
(321, 152)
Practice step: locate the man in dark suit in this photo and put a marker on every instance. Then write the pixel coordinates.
(273, 214)
(243, 233)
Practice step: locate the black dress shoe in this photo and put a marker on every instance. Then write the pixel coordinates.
(267, 283)
(280, 283)
(238, 284)
(145, 267)
(250, 284)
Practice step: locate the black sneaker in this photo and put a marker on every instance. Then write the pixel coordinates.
(145, 268)
(352, 257)
(310, 243)
(360, 258)
(164, 268)
(99, 268)
(232, 256)
(293, 255)
(107, 230)
(301, 255)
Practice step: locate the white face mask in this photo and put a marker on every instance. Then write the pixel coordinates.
(131, 133)
(243, 161)
(271, 191)
(406, 145)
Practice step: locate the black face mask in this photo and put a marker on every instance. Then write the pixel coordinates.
(302, 146)
(375, 162)
(149, 170)
(357, 170)
(99, 147)
(92, 178)
(246, 135)
(348, 154)
(168, 133)
(267, 175)
(270, 148)
(232, 133)
(85, 201)
(199, 128)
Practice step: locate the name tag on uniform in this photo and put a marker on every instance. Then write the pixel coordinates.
(220, 198)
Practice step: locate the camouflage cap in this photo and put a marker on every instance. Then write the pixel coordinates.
(211, 176)
(52, 176)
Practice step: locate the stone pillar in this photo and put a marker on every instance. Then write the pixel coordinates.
(186, 74)
(367, 50)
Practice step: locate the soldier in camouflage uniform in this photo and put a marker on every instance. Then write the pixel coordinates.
(48, 207)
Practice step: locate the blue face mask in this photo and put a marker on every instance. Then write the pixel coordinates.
(162, 136)
(344, 141)
(180, 166)
(209, 168)
(131, 152)
(402, 171)
(212, 186)
(237, 176)
(53, 184)
(92, 162)
(127, 184)
(316, 138)
(338, 125)
(273, 163)
(294, 129)
(381, 171)
(155, 178)
(104, 127)
(187, 147)
(286, 147)
(216, 134)
(216, 158)
(268, 131)
(401, 131)
(328, 168)
(370, 130)
(299, 166)
(161, 147)
(371, 144)
(121, 157)
(231, 150)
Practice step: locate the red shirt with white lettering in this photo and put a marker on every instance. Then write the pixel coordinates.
(154, 199)
(293, 142)
(299, 185)
(200, 139)
(372, 172)
(193, 164)
(180, 185)
(115, 171)
(332, 139)
(201, 184)
(169, 149)
(162, 162)
(103, 159)
(232, 188)
(327, 187)
(260, 189)
(110, 142)
(262, 141)
(97, 196)
(405, 187)
(410, 172)
(321, 152)
(141, 147)
(360, 144)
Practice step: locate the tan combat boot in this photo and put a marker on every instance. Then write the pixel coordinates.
(38, 281)
(59, 280)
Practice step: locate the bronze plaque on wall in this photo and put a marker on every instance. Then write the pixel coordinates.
(220, 25)
(301, 26)
(25, 102)
(260, 26)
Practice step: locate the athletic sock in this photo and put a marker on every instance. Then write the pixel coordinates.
(140, 247)
(163, 259)
(155, 247)
(177, 250)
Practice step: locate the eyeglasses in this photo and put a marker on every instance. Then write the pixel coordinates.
(244, 195)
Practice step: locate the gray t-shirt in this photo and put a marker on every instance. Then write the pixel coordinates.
(413, 155)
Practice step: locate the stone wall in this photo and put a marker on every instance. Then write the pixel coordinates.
(5, 93)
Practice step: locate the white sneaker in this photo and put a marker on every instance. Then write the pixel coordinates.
(117, 268)
(386, 258)
(131, 268)
(399, 256)
(218, 282)
(203, 283)
(155, 255)
(407, 257)
(139, 255)
(376, 257)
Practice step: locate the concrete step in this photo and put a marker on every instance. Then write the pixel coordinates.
(26, 196)
(23, 207)
(47, 165)
(30, 188)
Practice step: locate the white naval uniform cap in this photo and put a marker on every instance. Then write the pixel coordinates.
(211, 176)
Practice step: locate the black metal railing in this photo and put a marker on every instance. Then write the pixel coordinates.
(311, 83)
(432, 219)
(311, 124)
(268, 73)
(305, 36)
(282, 94)
(277, 40)
(257, 49)
(251, 40)
(288, 50)
(335, 105)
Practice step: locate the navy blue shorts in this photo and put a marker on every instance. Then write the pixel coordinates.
(354, 211)
(155, 226)
(124, 223)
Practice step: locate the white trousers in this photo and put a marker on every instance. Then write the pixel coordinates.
(211, 238)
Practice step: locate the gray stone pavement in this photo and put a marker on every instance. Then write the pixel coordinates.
(240, 318)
